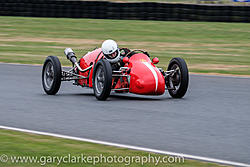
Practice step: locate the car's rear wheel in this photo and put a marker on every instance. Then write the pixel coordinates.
(51, 75)
(177, 82)
(102, 79)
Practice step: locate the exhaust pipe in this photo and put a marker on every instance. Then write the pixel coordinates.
(70, 55)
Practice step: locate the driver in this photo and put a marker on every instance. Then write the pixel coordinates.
(111, 51)
(113, 54)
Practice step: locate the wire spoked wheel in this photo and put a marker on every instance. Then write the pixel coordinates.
(51, 75)
(99, 80)
(177, 81)
(175, 78)
(102, 79)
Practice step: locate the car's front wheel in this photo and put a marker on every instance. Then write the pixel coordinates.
(102, 79)
(177, 82)
(51, 75)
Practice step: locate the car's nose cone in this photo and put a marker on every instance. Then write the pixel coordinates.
(146, 79)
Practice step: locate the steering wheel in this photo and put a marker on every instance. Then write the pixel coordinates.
(136, 50)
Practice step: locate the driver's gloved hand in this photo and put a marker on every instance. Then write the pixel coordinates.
(124, 51)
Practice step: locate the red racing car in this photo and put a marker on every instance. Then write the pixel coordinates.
(135, 73)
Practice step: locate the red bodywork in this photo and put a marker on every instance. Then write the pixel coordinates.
(144, 78)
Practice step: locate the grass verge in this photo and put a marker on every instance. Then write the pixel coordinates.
(18, 144)
(208, 47)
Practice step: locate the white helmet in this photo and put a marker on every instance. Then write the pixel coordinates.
(111, 51)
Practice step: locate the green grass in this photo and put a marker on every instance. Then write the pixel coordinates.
(23, 144)
(208, 47)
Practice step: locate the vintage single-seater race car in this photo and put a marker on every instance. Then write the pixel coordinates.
(135, 73)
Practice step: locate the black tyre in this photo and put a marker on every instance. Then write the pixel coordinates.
(177, 82)
(102, 79)
(51, 75)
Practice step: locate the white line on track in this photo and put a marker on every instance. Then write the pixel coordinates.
(129, 147)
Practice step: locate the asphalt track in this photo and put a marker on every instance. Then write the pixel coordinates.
(212, 120)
